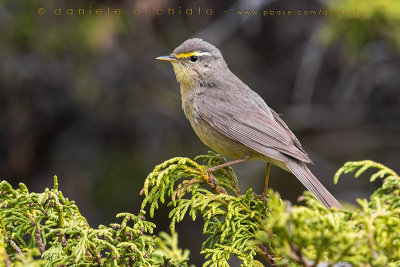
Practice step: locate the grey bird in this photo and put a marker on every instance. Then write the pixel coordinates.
(235, 121)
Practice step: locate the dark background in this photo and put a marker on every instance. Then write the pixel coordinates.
(82, 96)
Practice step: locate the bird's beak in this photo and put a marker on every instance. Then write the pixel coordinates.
(170, 58)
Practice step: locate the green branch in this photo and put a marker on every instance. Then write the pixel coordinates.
(47, 229)
(284, 234)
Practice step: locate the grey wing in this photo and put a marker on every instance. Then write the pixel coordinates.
(252, 126)
(296, 142)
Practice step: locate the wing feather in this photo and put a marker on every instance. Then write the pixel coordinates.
(252, 126)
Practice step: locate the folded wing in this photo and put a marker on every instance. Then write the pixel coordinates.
(251, 125)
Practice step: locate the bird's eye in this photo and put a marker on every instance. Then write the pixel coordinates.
(193, 58)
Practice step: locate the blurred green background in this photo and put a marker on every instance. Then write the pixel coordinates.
(82, 96)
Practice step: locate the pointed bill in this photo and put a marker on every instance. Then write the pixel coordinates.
(169, 58)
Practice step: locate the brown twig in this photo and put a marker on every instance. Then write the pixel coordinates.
(212, 181)
(6, 259)
(39, 241)
(16, 248)
(98, 256)
(297, 256)
(268, 257)
(89, 254)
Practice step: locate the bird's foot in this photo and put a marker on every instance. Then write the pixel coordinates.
(214, 184)
(262, 197)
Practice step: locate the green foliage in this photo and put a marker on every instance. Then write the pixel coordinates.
(167, 252)
(379, 20)
(285, 235)
(48, 229)
(230, 221)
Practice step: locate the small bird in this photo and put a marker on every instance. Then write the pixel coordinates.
(235, 121)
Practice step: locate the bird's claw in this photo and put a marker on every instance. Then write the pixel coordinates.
(214, 184)
(262, 197)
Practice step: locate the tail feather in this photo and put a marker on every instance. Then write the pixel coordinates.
(301, 171)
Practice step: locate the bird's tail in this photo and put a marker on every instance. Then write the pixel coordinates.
(301, 171)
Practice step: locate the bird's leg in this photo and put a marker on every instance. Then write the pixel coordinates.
(229, 163)
(266, 180)
(212, 181)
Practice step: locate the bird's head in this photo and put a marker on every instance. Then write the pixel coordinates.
(195, 61)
